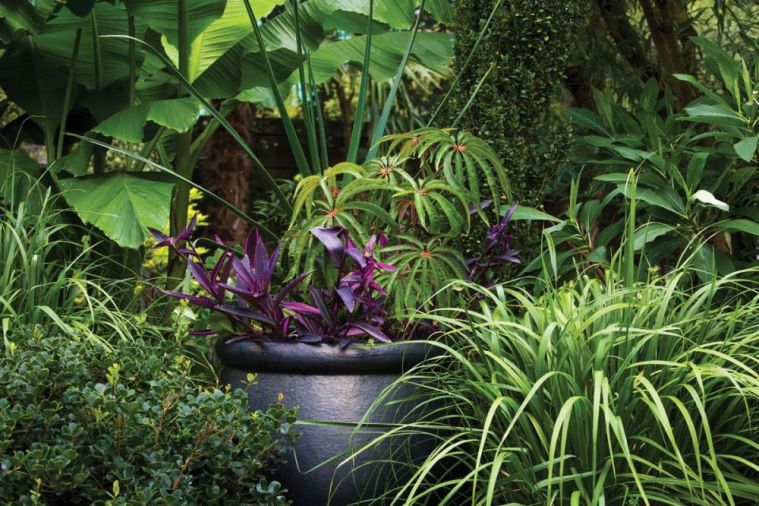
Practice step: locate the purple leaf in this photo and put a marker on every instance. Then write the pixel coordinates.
(222, 268)
(192, 299)
(241, 312)
(242, 337)
(273, 261)
(346, 295)
(243, 277)
(371, 330)
(385, 267)
(250, 243)
(301, 308)
(284, 326)
(201, 276)
(356, 255)
(509, 256)
(318, 299)
(289, 287)
(162, 240)
(509, 213)
(261, 272)
(185, 234)
(331, 238)
(243, 292)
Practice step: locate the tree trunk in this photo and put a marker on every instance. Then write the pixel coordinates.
(662, 17)
(625, 37)
(226, 171)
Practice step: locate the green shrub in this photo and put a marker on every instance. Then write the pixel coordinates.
(81, 426)
(524, 55)
(696, 173)
(594, 393)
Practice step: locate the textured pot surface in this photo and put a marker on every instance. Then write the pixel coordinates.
(326, 384)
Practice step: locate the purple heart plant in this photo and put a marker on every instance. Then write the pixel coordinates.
(240, 287)
(352, 308)
(496, 250)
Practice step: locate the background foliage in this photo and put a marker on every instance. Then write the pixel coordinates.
(515, 77)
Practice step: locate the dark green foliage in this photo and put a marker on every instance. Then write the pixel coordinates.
(79, 425)
(428, 193)
(695, 170)
(528, 43)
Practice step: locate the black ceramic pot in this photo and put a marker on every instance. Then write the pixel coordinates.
(334, 385)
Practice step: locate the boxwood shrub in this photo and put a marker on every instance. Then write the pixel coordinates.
(83, 425)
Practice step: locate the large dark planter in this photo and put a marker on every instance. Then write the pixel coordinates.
(327, 384)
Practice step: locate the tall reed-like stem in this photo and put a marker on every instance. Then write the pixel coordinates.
(292, 136)
(358, 118)
(183, 157)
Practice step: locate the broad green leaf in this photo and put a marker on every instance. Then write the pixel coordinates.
(433, 50)
(523, 213)
(241, 67)
(75, 162)
(727, 67)
(747, 147)
(703, 261)
(221, 35)
(162, 15)
(603, 105)
(399, 14)
(19, 17)
(647, 100)
(260, 95)
(696, 168)
(650, 232)
(33, 82)
(739, 225)
(717, 99)
(121, 204)
(81, 7)
(587, 119)
(718, 115)
(16, 160)
(101, 60)
(665, 198)
(706, 197)
(177, 114)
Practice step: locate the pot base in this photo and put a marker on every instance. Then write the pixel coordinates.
(316, 473)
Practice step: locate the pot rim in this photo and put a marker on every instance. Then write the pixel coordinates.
(323, 358)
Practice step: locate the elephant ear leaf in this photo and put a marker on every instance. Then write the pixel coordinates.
(123, 205)
(176, 114)
(161, 16)
(19, 17)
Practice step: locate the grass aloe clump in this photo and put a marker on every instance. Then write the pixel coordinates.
(594, 393)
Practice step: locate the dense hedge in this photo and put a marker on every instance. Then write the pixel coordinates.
(528, 44)
(80, 425)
